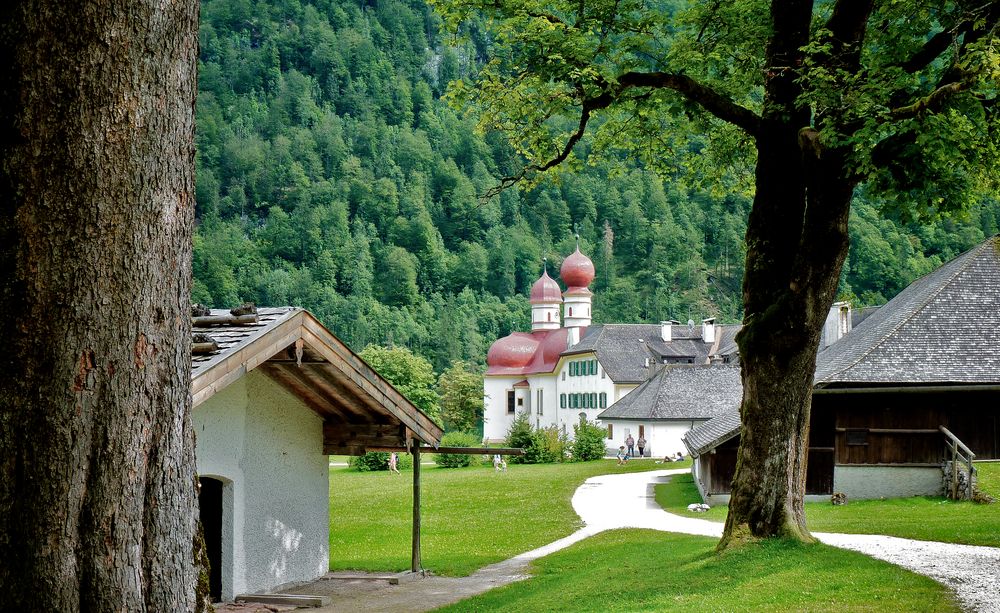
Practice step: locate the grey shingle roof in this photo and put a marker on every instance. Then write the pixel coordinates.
(231, 338)
(712, 433)
(943, 328)
(622, 349)
(681, 392)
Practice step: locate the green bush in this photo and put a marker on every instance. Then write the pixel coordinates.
(371, 461)
(588, 442)
(547, 446)
(520, 435)
(457, 460)
(379, 460)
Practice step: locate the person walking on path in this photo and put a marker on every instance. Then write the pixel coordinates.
(394, 462)
(641, 444)
(630, 443)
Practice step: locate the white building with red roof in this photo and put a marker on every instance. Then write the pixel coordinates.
(566, 368)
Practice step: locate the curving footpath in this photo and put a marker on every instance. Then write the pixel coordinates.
(609, 502)
(626, 501)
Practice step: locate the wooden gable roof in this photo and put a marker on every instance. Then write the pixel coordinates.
(359, 408)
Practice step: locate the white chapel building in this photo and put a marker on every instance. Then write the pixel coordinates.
(567, 369)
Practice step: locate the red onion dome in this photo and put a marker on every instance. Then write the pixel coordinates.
(545, 290)
(577, 270)
(513, 351)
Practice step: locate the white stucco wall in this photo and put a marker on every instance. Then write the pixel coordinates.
(662, 437)
(863, 482)
(268, 447)
(496, 420)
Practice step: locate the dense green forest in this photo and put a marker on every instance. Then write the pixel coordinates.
(332, 175)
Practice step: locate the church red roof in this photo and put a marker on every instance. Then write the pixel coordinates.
(526, 353)
(577, 270)
(545, 290)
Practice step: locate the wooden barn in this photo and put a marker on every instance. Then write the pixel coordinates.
(274, 394)
(915, 385)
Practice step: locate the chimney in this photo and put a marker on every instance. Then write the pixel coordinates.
(708, 330)
(666, 329)
(837, 325)
(572, 336)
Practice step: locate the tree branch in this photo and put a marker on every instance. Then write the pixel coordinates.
(933, 48)
(589, 105)
(931, 102)
(717, 104)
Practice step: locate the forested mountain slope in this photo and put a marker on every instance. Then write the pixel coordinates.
(331, 175)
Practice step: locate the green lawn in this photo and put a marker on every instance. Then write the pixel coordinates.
(471, 517)
(924, 518)
(639, 570)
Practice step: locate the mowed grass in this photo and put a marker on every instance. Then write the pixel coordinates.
(922, 518)
(640, 570)
(471, 517)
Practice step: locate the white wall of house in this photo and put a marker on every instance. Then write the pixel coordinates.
(496, 419)
(663, 437)
(267, 448)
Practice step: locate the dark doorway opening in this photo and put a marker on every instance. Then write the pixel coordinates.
(210, 502)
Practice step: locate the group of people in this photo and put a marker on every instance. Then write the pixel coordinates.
(627, 451)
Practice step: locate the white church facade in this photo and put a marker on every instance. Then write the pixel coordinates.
(566, 368)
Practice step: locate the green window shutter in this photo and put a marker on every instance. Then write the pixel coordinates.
(604, 400)
(572, 401)
(572, 369)
(586, 401)
(593, 399)
(593, 367)
(562, 401)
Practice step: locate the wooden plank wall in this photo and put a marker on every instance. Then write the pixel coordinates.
(903, 428)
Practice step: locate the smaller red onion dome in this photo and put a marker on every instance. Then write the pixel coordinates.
(513, 351)
(545, 290)
(577, 270)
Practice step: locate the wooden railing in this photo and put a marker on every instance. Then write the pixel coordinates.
(959, 452)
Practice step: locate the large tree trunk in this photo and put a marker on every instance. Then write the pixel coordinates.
(796, 244)
(97, 500)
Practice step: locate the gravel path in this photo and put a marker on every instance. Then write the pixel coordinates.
(626, 500)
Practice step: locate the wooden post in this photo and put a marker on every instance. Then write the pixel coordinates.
(954, 472)
(415, 557)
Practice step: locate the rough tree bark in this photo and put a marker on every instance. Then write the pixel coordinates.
(797, 241)
(97, 504)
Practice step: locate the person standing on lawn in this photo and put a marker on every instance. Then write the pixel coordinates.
(394, 462)
(630, 443)
(641, 444)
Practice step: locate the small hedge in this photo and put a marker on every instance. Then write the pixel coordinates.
(457, 460)
(379, 460)
(588, 442)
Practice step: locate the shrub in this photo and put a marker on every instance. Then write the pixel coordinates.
(588, 442)
(520, 435)
(371, 461)
(546, 446)
(379, 460)
(457, 460)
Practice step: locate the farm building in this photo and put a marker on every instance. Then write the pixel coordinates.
(892, 397)
(276, 395)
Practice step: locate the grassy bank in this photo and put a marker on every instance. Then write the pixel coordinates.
(471, 516)
(924, 518)
(638, 570)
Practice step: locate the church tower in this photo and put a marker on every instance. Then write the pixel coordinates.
(577, 272)
(545, 300)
